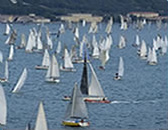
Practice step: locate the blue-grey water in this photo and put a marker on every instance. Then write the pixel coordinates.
(140, 99)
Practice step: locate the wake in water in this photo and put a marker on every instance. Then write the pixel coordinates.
(136, 102)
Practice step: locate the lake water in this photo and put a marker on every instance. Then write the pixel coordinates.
(139, 100)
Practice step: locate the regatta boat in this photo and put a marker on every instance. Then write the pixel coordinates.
(20, 82)
(53, 71)
(152, 60)
(45, 62)
(93, 93)
(120, 73)
(76, 113)
(68, 65)
(5, 79)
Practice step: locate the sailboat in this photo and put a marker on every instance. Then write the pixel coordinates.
(120, 73)
(137, 41)
(68, 65)
(3, 108)
(76, 113)
(22, 42)
(41, 122)
(143, 50)
(152, 60)
(93, 93)
(11, 53)
(45, 62)
(20, 82)
(6, 76)
(53, 71)
(7, 31)
(122, 42)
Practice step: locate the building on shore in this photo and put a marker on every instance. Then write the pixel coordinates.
(80, 17)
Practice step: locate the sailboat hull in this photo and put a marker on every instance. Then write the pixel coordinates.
(3, 80)
(52, 80)
(75, 123)
(38, 67)
(97, 101)
(67, 69)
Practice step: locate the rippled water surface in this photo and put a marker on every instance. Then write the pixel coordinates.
(139, 100)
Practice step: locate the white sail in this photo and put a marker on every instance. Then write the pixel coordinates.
(49, 42)
(46, 58)
(3, 107)
(23, 41)
(62, 28)
(54, 67)
(53, 70)
(153, 58)
(11, 52)
(67, 60)
(58, 50)
(109, 26)
(77, 107)
(95, 47)
(1, 56)
(95, 88)
(21, 81)
(143, 50)
(7, 31)
(41, 122)
(6, 70)
(30, 42)
(137, 41)
(121, 67)
(39, 43)
(149, 54)
(122, 42)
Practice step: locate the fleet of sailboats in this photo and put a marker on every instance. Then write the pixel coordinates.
(90, 90)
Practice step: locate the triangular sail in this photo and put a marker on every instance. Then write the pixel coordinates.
(21, 81)
(41, 122)
(77, 107)
(95, 88)
(46, 58)
(3, 107)
(67, 60)
(11, 52)
(6, 70)
(121, 67)
(54, 68)
(84, 80)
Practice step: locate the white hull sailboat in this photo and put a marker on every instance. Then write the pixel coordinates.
(45, 62)
(68, 65)
(120, 73)
(76, 113)
(53, 74)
